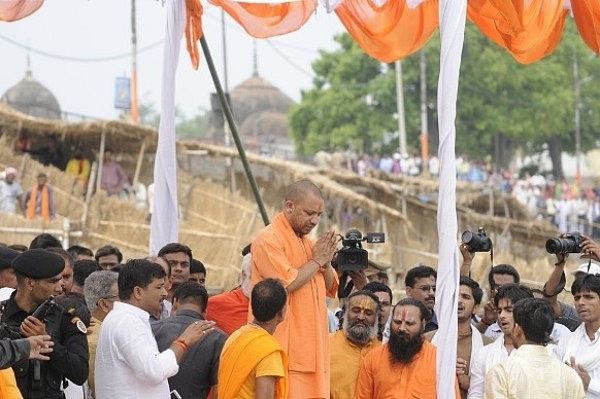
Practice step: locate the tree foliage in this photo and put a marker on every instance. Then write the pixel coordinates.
(502, 105)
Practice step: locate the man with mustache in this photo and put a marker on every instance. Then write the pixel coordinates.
(349, 345)
(420, 284)
(405, 367)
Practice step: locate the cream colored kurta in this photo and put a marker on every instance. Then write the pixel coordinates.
(533, 374)
(277, 252)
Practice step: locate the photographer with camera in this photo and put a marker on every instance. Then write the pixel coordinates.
(561, 247)
(39, 277)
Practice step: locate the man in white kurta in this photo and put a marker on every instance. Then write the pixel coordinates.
(128, 362)
(531, 372)
(582, 349)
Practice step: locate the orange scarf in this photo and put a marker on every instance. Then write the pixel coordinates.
(241, 357)
(45, 206)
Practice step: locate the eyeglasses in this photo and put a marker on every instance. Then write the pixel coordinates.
(426, 288)
(112, 296)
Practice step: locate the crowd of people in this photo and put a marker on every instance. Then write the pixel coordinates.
(39, 203)
(84, 324)
(571, 206)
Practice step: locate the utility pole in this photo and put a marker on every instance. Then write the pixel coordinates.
(134, 85)
(400, 108)
(424, 123)
(227, 140)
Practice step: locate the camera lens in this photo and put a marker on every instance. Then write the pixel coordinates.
(467, 236)
(553, 246)
(353, 259)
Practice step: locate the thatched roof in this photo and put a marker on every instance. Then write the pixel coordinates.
(120, 136)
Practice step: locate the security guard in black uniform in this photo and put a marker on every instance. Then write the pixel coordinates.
(38, 279)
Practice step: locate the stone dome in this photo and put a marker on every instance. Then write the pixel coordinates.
(257, 95)
(32, 98)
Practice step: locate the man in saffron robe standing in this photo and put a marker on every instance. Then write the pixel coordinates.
(283, 251)
(40, 200)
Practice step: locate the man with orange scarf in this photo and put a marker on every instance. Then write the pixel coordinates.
(40, 200)
(252, 363)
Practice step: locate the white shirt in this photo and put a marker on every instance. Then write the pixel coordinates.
(128, 363)
(587, 354)
(485, 359)
(532, 373)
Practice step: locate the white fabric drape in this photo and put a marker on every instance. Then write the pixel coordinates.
(452, 31)
(164, 225)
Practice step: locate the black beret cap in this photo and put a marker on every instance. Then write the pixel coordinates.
(6, 257)
(38, 264)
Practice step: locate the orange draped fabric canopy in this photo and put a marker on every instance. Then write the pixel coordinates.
(390, 30)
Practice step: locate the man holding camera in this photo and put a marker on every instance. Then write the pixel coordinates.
(564, 313)
(283, 251)
(39, 276)
(581, 350)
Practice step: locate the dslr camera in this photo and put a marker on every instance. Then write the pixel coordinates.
(477, 241)
(568, 243)
(352, 256)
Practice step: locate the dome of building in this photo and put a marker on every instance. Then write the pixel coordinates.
(257, 95)
(32, 98)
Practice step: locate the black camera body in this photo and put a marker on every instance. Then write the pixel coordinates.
(568, 243)
(477, 241)
(41, 311)
(352, 256)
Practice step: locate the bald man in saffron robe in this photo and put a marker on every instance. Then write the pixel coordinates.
(283, 251)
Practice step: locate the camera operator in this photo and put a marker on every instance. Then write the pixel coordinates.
(566, 314)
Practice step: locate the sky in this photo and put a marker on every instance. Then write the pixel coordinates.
(77, 49)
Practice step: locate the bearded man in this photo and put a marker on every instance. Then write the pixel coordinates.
(349, 345)
(405, 367)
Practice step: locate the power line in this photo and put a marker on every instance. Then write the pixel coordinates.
(78, 59)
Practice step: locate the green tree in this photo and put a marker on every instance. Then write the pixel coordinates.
(502, 105)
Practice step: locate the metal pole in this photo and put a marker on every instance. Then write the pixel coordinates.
(134, 85)
(577, 121)
(400, 105)
(233, 128)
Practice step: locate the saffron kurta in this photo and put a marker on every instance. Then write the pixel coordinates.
(277, 252)
(380, 379)
(250, 352)
(346, 358)
(229, 310)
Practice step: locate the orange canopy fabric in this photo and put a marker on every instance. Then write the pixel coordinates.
(391, 31)
(267, 20)
(587, 18)
(13, 10)
(528, 30)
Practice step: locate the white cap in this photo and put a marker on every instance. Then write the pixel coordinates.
(583, 268)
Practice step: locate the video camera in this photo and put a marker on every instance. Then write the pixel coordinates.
(568, 243)
(352, 256)
(477, 241)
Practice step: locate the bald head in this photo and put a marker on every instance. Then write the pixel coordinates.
(303, 206)
(297, 191)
